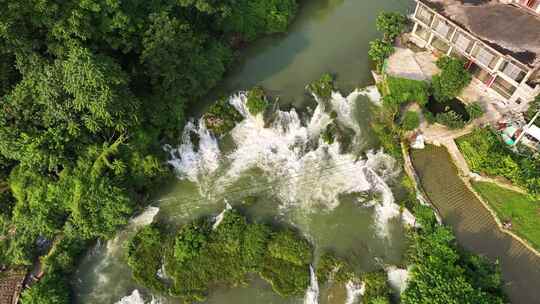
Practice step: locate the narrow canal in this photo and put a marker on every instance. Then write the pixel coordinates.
(475, 228)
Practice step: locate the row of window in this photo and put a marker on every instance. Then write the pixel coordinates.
(466, 44)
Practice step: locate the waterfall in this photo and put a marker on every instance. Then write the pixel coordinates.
(397, 278)
(312, 293)
(372, 93)
(192, 164)
(354, 291)
(219, 218)
(301, 169)
(136, 298)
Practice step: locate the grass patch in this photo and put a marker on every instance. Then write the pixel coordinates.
(522, 210)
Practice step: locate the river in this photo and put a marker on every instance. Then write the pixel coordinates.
(281, 173)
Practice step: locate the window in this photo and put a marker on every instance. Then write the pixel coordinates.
(512, 71)
(423, 32)
(485, 57)
(424, 15)
(442, 28)
(462, 42)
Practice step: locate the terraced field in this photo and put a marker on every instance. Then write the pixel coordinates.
(474, 226)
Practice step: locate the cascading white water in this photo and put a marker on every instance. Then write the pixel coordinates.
(354, 291)
(219, 218)
(372, 93)
(397, 278)
(301, 169)
(312, 293)
(136, 298)
(193, 164)
(109, 254)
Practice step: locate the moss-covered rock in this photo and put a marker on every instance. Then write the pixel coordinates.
(198, 256)
(221, 117)
(256, 101)
(323, 87)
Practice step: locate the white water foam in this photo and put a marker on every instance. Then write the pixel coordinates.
(136, 298)
(312, 293)
(219, 218)
(354, 291)
(192, 164)
(301, 169)
(372, 92)
(397, 278)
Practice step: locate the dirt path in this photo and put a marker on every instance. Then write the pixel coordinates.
(475, 227)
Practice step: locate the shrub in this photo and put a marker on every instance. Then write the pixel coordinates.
(331, 268)
(451, 119)
(377, 288)
(485, 153)
(408, 90)
(475, 110)
(411, 121)
(323, 87)
(144, 255)
(452, 79)
(391, 24)
(286, 279)
(189, 242)
(287, 246)
(52, 289)
(379, 50)
(430, 118)
(256, 101)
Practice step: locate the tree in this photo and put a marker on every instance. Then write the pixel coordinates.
(452, 79)
(252, 18)
(391, 24)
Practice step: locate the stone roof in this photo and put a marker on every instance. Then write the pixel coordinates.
(508, 29)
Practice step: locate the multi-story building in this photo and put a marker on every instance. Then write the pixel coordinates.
(499, 40)
(533, 5)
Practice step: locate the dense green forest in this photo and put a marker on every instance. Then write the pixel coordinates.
(89, 92)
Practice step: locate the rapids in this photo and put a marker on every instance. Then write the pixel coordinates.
(299, 167)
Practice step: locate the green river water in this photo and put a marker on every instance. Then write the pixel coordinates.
(327, 36)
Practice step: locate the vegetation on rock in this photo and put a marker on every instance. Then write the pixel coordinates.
(198, 256)
(323, 87)
(256, 101)
(221, 117)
